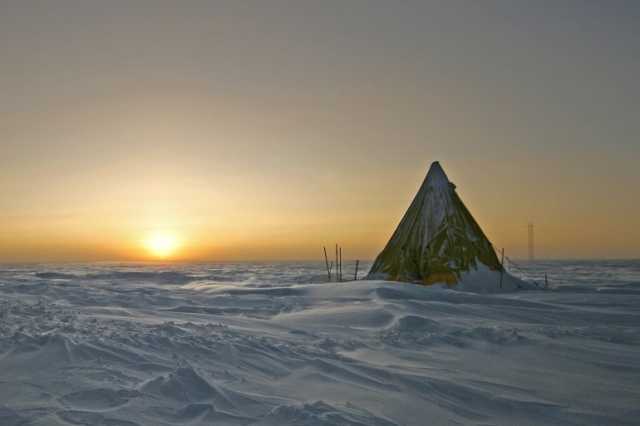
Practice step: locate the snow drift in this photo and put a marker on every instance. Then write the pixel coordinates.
(270, 344)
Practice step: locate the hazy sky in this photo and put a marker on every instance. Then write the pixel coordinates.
(265, 129)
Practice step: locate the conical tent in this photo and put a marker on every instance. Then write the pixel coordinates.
(437, 240)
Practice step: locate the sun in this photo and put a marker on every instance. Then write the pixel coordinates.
(161, 244)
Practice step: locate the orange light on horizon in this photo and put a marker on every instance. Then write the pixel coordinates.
(161, 244)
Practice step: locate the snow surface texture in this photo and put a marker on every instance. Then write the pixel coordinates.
(271, 344)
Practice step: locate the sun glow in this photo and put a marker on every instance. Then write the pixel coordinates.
(161, 244)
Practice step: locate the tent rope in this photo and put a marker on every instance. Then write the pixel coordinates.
(513, 266)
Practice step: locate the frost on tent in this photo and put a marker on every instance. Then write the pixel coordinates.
(437, 240)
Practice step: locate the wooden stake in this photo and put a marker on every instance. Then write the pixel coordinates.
(546, 281)
(326, 261)
(501, 267)
(340, 264)
(337, 265)
(355, 275)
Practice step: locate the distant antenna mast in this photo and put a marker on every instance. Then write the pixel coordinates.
(531, 243)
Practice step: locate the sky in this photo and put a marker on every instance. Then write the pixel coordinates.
(263, 130)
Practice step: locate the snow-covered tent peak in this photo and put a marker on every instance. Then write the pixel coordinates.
(436, 177)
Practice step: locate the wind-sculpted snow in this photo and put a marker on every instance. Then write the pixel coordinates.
(273, 344)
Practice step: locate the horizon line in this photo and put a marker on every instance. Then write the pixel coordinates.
(228, 261)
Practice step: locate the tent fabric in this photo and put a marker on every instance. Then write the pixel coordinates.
(437, 240)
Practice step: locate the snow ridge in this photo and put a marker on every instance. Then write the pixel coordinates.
(147, 350)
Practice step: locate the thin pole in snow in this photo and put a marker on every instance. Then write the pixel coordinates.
(530, 242)
(546, 281)
(326, 261)
(337, 265)
(340, 264)
(501, 267)
(355, 275)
